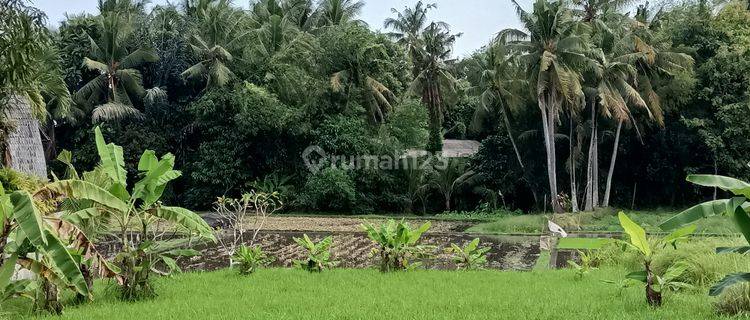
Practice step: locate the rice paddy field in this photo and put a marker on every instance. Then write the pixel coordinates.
(368, 294)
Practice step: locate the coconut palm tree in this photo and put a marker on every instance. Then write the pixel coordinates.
(434, 82)
(338, 12)
(221, 30)
(301, 13)
(113, 92)
(650, 61)
(554, 53)
(31, 84)
(500, 86)
(606, 22)
(408, 26)
(616, 92)
(378, 99)
(279, 47)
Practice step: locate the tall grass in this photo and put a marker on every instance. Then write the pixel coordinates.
(705, 267)
(602, 220)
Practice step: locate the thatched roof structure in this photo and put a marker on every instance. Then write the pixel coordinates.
(24, 144)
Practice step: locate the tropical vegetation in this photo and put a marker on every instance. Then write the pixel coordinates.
(145, 139)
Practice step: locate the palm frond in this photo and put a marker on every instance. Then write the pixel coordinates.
(115, 112)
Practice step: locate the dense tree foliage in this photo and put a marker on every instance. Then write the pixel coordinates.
(239, 94)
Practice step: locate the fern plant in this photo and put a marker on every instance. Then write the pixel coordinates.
(248, 259)
(397, 245)
(470, 257)
(318, 254)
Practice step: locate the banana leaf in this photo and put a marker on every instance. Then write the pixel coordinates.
(735, 186)
(80, 189)
(28, 217)
(727, 282)
(185, 218)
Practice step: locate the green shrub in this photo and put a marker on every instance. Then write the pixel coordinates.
(378, 190)
(231, 126)
(342, 135)
(734, 301)
(497, 163)
(318, 254)
(408, 124)
(248, 259)
(397, 245)
(331, 189)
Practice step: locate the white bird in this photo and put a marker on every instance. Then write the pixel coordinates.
(556, 229)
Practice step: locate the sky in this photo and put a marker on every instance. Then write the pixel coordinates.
(477, 20)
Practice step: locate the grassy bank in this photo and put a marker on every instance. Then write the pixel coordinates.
(600, 221)
(367, 294)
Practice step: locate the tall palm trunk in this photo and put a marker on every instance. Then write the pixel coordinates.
(592, 169)
(547, 105)
(595, 170)
(431, 98)
(447, 202)
(512, 139)
(589, 203)
(23, 150)
(605, 203)
(573, 191)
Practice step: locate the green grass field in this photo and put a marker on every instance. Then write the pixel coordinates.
(367, 294)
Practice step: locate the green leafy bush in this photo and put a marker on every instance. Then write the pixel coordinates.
(330, 189)
(318, 254)
(248, 259)
(408, 124)
(343, 135)
(397, 245)
(470, 257)
(232, 126)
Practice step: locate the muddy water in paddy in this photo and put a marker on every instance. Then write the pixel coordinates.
(351, 247)
(352, 250)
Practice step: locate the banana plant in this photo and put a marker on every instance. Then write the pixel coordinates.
(318, 254)
(639, 242)
(397, 245)
(737, 207)
(470, 257)
(32, 242)
(588, 261)
(104, 195)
